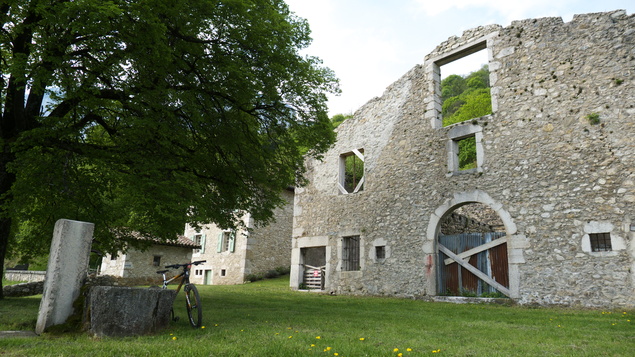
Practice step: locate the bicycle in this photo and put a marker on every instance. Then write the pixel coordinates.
(192, 298)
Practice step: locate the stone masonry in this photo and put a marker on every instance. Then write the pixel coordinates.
(556, 162)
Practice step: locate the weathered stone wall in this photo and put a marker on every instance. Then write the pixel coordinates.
(140, 264)
(269, 246)
(550, 174)
(24, 289)
(28, 276)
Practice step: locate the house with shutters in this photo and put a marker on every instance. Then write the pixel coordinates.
(233, 255)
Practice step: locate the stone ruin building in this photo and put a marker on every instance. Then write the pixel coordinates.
(555, 165)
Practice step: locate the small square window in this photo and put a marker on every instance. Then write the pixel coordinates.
(223, 272)
(380, 252)
(600, 242)
(156, 261)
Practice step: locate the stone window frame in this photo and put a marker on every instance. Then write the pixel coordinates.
(433, 103)
(457, 133)
(341, 184)
(618, 243)
(379, 244)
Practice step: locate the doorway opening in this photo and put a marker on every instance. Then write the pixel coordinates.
(472, 255)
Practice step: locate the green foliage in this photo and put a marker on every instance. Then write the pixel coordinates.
(156, 113)
(467, 153)
(338, 119)
(353, 172)
(465, 98)
(594, 118)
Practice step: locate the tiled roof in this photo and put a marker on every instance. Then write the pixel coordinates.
(181, 241)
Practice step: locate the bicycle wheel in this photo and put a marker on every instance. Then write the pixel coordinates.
(193, 305)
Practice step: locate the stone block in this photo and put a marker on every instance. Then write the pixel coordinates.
(124, 311)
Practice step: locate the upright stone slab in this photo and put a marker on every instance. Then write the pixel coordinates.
(67, 267)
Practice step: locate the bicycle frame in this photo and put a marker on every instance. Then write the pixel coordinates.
(166, 282)
(192, 298)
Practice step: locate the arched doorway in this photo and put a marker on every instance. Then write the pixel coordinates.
(472, 265)
(472, 253)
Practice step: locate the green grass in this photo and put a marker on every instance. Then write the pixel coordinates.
(265, 318)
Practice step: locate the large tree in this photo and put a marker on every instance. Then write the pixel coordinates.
(141, 115)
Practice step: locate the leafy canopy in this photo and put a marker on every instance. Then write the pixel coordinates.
(465, 97)
(143, 115)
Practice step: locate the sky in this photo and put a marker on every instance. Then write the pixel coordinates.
(370, 44)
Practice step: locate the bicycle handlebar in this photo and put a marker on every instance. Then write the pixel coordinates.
(176, 266)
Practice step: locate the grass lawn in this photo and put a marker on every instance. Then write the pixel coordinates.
(267, 319)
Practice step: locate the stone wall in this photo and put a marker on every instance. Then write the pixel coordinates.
(28, 276)
(141, 264)
(551, 174)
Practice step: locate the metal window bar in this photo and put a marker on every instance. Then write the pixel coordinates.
(600, 242)
(350, 253)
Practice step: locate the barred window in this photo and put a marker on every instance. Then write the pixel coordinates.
(600, 242)
(380, 252)
(350, 253)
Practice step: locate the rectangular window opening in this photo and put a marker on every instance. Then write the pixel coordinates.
(600, 242)
(198, 240)
(352, 172)
(350, 253)
(223, 272)
(380, 252)
(156, 261)
(464, 88)
(467, 153)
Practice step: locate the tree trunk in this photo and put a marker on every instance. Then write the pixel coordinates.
(6, 181)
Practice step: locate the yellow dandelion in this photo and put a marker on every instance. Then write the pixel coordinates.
(396, 350)
(336, 354)
(277, 333)
(328, 348)
(409, 349)
(290, 336)
(313, 345)
(399, 354)
(216, 325)
(361, 339)
(288, 328)
(318, 337)
(174, 338)
(202, 326)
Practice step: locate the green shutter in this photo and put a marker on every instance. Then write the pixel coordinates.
(232, 241)
(202, 243)
(219, 246)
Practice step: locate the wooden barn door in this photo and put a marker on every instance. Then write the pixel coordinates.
(472, 264)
